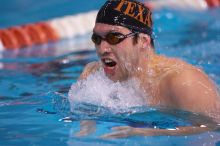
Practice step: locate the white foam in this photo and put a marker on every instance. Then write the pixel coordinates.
(1, 46)
(97, 89)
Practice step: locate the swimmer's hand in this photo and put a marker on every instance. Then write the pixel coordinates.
(127, 131)
(86, 127)
(121, 132)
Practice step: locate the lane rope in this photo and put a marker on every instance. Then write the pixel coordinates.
(76, 25)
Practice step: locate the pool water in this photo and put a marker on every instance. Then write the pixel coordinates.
(29, 11)
(34, 85)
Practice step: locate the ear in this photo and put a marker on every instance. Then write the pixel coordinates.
(145, 40)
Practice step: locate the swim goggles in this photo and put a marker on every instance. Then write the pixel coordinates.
(112, 38)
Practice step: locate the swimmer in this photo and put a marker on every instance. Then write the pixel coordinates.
(123, 39)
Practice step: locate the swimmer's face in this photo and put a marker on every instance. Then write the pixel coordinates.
(118, 59)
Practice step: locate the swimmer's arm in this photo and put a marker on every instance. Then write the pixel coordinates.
(127, 131)
(87, 126)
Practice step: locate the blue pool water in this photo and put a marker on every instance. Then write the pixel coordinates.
(34, 82)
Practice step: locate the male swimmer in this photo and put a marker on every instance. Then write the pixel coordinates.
(123, 39)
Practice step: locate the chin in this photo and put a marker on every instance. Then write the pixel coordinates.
(117, 78)
(116, 74)
(113, 78)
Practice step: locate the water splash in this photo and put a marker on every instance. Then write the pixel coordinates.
(98, 90)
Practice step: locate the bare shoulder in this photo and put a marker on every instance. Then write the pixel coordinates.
(191, 89)
(184, 72)
(89, 69)
(189, 76)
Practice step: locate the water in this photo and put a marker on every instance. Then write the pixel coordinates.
(29, 11)
(35, 82)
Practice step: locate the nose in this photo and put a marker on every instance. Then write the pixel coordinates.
(104, 47)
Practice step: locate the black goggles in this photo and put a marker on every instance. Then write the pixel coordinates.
(112, 38)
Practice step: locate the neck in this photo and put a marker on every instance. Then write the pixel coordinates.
(145, 61)
(144, 71)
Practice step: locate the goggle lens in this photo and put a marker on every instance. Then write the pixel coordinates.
(112, 38)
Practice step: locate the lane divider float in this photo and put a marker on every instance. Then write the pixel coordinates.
(183, 4)
(213, 3)
(49, 31)
(69, 26)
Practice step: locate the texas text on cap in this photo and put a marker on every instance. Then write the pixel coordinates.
(128, 13)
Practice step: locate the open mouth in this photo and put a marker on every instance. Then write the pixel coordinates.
(109, 62)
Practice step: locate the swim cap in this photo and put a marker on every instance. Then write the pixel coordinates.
(127, 13)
